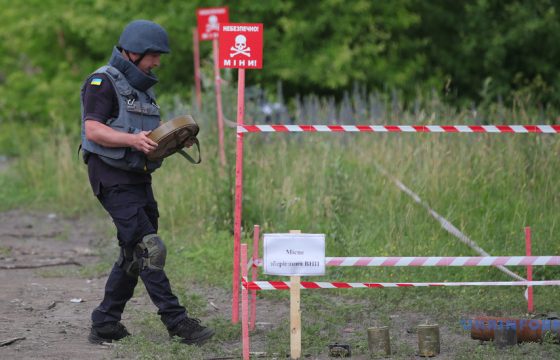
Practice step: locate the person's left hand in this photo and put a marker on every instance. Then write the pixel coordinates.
(189, 142)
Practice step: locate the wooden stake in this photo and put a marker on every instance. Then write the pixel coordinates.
(295, 314)
(36, 266)
(10, 341)
(196, 54)
(218, 88)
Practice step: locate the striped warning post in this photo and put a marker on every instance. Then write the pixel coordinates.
(283, 285)
(491, 129)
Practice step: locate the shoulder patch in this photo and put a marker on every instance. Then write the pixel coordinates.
(96, 81)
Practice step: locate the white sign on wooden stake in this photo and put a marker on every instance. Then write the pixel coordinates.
(294, 254)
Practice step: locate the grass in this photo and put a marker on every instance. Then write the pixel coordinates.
(5, 250)
(489, 186)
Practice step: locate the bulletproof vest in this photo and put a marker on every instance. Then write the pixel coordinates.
(138, 111)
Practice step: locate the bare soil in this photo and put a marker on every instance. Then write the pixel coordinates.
(39, 308)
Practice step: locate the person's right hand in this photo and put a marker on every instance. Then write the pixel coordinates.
(142, 142)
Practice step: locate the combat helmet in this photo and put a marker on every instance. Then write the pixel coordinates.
(144, 36)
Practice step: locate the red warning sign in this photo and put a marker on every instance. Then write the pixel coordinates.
(241, 46)
(209, 20)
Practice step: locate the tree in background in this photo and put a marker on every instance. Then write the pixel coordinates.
(489, 48)
(472, 51)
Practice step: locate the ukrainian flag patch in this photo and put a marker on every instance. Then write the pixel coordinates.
(96, 81)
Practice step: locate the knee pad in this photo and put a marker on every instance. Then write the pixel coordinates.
(130, 261)
(154, 252)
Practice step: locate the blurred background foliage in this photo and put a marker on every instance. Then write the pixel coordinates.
(470, 52)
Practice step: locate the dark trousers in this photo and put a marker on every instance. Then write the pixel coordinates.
(134, 212)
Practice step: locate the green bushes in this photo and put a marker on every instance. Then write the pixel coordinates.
(469, 52)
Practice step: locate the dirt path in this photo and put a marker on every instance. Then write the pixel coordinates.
(36, 304)
(48, 308)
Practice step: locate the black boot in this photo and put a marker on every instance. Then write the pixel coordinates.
(191, 332)
(107, 333)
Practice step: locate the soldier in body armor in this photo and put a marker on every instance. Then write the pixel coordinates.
(119, 110)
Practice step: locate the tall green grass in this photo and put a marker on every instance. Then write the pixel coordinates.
(489, 185)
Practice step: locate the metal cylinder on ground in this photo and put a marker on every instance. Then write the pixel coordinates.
(428, 340)
(527, 330)
(379, 341)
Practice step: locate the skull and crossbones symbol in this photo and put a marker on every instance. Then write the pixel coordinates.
(212, 24)
(240, 47)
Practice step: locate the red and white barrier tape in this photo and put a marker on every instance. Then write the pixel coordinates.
(444, 261)
(436, 261)
(284, 285)
(521, 129)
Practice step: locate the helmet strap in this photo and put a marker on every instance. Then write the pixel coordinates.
(137, 60)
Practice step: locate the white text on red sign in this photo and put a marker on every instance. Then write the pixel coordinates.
(209, 20)
(241, 46)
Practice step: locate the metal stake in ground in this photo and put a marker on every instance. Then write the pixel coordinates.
(529, 270)
(253, 37)
(244, 305)
(218, 88)
(209, 20)
(238, 197)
